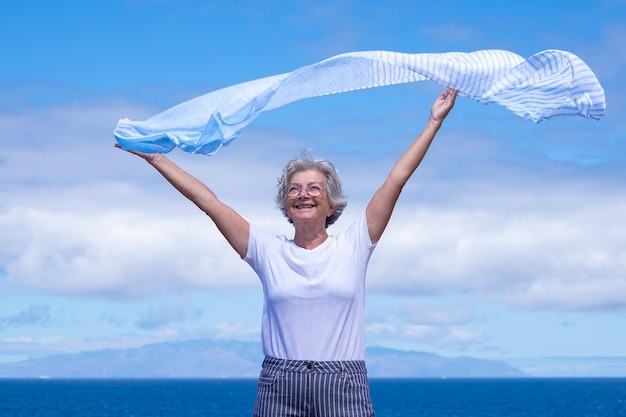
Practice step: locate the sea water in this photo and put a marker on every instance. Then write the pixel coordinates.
(515, 397)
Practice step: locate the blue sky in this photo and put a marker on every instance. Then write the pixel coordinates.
(509, 242)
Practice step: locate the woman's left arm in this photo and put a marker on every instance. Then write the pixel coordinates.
(382, 204)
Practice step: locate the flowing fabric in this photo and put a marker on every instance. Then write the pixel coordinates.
(548, 84)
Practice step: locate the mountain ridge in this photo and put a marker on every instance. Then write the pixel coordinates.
(207, 358)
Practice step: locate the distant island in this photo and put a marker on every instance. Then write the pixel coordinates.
(205, 358)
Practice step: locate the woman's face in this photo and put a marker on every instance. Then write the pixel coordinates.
(304, 208)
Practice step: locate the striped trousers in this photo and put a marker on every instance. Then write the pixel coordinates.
(298, 388)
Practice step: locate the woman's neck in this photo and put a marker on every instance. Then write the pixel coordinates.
(310, 239)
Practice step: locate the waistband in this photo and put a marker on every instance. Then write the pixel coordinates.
(321, 367)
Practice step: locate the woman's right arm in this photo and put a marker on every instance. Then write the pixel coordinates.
(235, 228)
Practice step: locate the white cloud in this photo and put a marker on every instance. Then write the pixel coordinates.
(236, 331)
(115, 253)
(24, 347)
(542, 254)
(33, 315)
(450, 338)
(167, 314)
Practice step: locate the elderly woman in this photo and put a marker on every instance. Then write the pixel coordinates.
(313, 330)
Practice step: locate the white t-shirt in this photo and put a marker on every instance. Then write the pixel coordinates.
(313, 299)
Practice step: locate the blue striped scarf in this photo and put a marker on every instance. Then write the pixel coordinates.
(548, 84)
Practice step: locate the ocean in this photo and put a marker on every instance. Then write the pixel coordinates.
(515, 397)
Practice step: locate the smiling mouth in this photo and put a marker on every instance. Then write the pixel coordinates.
(305, 206)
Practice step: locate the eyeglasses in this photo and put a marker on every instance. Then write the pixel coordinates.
(313, 190)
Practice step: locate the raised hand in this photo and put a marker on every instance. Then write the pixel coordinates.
(442, 105)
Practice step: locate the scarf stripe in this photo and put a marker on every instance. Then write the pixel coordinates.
(548, 84)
